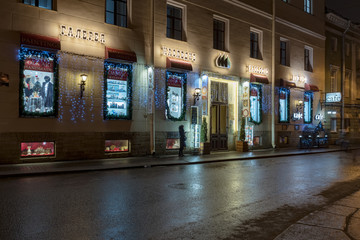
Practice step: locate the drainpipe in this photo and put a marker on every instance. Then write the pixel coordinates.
(343, 78)
(152, 119)
(273, 79)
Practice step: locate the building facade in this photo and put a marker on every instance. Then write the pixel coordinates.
(342, 76)
(104, 79)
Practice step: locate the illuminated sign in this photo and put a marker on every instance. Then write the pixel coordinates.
(319, 116)
(82, 34)
(223, 61)
(299, 79)
(257, 69)
(297, 116)
(333, 97)
(179, 54)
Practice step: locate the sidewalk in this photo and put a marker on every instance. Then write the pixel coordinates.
(338, 221)
(25, 169)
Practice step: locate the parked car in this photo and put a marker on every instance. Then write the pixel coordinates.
(314, 136)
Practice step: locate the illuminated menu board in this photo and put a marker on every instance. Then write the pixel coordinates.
(117, 91)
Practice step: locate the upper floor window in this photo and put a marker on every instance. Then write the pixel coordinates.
(219, 35)
(308, 6)
(40, 3)
(308, 59)
(174, 26)
(117, 12)
(255, 43)
(333, 78)
(334, 44)
(284, 52)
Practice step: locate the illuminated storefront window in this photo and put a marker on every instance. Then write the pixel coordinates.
(175, 96)
(118, 78)
(255, 103)
(284, 109)
(114, 146)
(39, 85)
(37, 149)
(172, 143)
(308, 107)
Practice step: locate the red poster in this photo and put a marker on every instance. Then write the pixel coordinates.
(174, 81)
(39, 64)
(118, 74)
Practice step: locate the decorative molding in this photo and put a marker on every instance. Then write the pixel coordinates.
(249, 8)
(301, 29)
(338, 21)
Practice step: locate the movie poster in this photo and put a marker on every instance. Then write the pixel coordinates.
(38, 86)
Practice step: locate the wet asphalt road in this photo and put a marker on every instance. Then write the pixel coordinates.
(255, 199)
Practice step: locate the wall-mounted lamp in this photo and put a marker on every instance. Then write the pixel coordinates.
(82, 83)
(299, 105)
(197, 95)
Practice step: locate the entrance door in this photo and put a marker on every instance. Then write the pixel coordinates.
(218, 136)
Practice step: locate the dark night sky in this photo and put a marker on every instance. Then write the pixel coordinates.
(349, 9)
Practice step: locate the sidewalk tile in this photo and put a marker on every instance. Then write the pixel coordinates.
(325, 219)
(354, 229)
(351, 201)
(305, 232)
(339, 210)
(357, 214)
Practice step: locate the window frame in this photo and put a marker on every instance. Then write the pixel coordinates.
(183, 19)
(287, 52)
(226, 31)
(308, 6)
(334, 70)
(128, 13)
(308, 65)
(37, 4)
(259, 45)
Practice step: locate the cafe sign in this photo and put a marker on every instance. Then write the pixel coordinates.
(333, 97)
(179, 54)
(79, 33)
(257, 69)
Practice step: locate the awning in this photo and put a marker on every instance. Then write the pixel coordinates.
(120, 54)
(178, 64)
(28, 39)
(311, 87)
(287, 84)
(259, 78)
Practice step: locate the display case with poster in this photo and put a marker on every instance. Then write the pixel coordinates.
(115, 146)
(175, 96)
(39, 84)
(284, 106)
(308, 107)
(255, 103)
(117, 91)
(37, 149)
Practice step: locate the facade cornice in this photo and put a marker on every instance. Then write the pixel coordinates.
(336, 20)
(249, 8)
(299, 28)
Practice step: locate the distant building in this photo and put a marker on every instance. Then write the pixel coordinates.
(335, 90)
